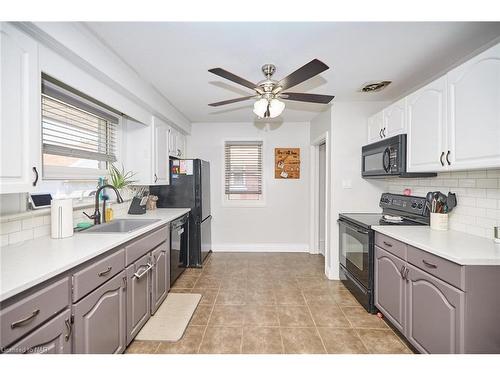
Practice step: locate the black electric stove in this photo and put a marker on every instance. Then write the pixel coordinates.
(357, 240)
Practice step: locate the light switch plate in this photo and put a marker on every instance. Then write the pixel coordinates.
(347, 184)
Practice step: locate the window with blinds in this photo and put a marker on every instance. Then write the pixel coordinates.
(78, 135)
(243, 170)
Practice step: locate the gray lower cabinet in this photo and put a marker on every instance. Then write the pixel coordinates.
(160, 276)
(138, 295)
(435, 319)
(99, 319)
(390, 287)
(54, 337)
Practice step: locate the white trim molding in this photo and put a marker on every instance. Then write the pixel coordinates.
(262, 247)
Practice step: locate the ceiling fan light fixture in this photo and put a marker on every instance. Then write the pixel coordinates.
(276, 108)
(260, 107)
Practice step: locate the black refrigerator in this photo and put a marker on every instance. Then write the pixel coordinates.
(190, 187)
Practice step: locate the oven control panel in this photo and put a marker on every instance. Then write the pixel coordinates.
(403, 203)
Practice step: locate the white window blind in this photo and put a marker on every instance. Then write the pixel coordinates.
(72, 126)
(243, 167)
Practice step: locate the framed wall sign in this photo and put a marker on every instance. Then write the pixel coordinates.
(287, 163)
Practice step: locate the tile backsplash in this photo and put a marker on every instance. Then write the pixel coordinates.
(478, 197)
(29, 225)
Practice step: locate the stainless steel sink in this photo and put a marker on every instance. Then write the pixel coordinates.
(120, 226)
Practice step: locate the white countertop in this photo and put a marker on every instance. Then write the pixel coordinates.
(32, 262)
(458, 247)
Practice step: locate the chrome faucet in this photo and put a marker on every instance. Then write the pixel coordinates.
(96, 216)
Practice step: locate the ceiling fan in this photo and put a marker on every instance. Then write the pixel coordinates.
(269, 91)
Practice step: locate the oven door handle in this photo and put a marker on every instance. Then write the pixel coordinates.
(361, 231)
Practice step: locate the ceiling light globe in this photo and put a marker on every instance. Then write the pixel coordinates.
(276, 108)
(260, 107)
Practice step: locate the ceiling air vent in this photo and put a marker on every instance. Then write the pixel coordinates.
(375, 86)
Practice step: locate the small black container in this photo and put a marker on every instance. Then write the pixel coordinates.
(138, 206)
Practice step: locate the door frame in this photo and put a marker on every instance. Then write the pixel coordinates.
(314, 202)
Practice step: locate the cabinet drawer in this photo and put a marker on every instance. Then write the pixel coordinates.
(448, 271)
(391, 245)
(91, 277)
(140, 247)
(29, 312)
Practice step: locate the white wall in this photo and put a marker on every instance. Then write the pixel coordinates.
(346, 125)
(283, 223)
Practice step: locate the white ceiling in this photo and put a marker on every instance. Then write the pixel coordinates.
(175, 57)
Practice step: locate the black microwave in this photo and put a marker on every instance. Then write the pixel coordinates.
(387, 158)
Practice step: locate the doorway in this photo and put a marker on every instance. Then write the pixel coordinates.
(319, 234)
(321, 197)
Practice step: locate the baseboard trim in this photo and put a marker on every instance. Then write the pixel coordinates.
(260, 247)
(331, 275)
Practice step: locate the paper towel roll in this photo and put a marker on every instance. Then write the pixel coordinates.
(61, 217)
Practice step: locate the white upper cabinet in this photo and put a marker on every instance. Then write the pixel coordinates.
(426, 125)
(375, 127)
(474, 112)
(394, 119)
(20, 127)
(146, 151)
(177, 144)
(387, 123)
(160, 155)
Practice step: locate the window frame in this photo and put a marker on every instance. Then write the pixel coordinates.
(50, 172)
(226, 202)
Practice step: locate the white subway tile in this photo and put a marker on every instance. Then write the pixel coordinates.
(41, 231)
(32, 222)
(477, 193)
(492, 213)
(474, 211)
(468, 201)
(23, 235)
(465, 219)
(4, 240)
(477, 231)
(488, 183)
(46, 219)
(493, 193)
(486, 203)
(467, 182)
(476, 174)
(493, 172)
(486, 222)
(10, 227)
(458, 174)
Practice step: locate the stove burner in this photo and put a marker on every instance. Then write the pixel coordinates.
(392, 219)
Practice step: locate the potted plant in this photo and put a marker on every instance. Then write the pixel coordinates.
(122, 180)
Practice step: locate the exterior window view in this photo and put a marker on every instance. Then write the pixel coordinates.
(271, 191)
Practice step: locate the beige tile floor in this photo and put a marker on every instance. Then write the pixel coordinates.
(273, 303)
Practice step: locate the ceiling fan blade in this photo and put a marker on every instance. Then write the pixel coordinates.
(302, 74)
(231, 101)
(311, 98)
(233, 77)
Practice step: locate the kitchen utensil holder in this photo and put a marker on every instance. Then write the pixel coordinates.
(439, 221)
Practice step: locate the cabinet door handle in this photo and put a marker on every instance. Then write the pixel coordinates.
(383, 133)
(156, 178)
(380, 133)
(139, 275)
(105, 273)
(402, 271)
(387, 244)
(448, 157)
(441, 159)
(428, 265)
(26, 320)
(69, 330)
(36, 176)
(407, 271)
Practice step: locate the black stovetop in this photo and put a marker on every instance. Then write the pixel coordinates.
(367, 220)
